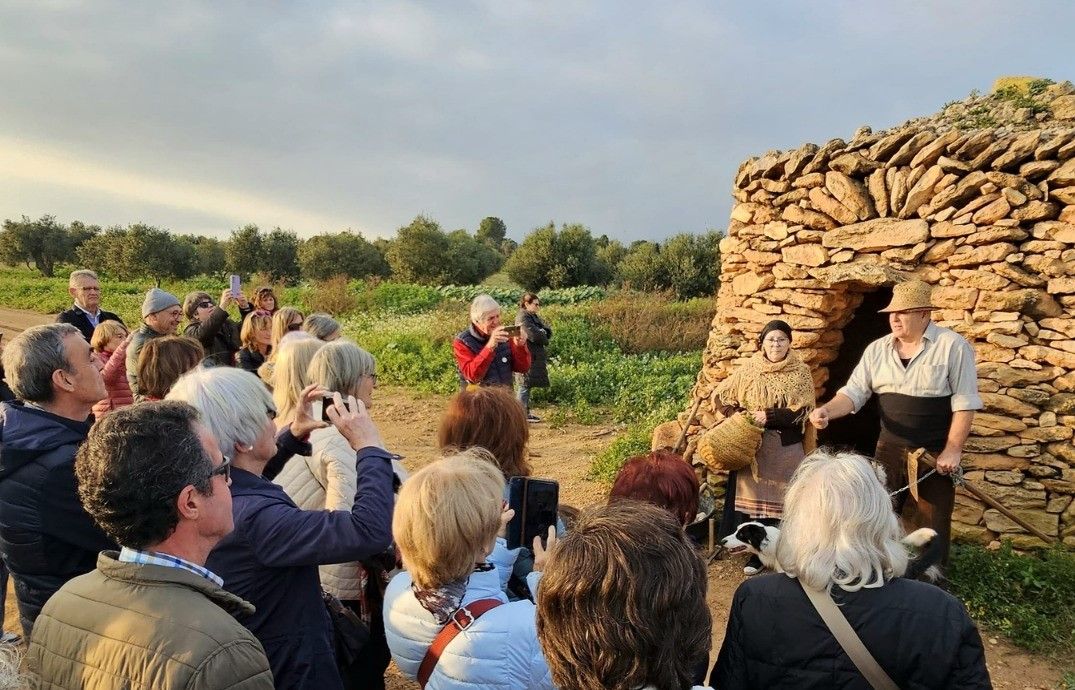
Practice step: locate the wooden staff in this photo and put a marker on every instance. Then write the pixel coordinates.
(925, 457)
(681, 444)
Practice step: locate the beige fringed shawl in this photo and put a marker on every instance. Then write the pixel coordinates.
(762, 385)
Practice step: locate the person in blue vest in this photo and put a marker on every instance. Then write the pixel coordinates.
(487, 354)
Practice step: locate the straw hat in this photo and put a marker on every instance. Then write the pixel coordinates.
(909, 296)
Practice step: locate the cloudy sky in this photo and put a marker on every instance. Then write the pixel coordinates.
(629, 117)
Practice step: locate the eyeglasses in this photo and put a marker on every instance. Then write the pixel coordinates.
(223, 469)
(292, 327)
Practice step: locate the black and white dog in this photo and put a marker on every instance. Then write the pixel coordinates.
(761, 540)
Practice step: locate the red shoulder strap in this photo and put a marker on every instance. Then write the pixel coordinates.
(462, 619)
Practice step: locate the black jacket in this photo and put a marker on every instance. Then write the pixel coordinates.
(919, 634)
(537, 334)
(45, 535)
(218, 335)
(77, 318)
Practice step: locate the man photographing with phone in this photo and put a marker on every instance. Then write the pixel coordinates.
(488, 353)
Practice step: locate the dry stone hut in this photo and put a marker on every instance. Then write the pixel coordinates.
(979, 201)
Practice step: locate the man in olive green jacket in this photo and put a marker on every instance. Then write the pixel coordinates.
(151, 615)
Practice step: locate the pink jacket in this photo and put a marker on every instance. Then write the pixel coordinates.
(115, 376)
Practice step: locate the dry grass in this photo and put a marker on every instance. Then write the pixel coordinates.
(645, 322)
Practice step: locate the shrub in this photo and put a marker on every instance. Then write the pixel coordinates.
(335, 296)
(1028, 597)
(643, 322)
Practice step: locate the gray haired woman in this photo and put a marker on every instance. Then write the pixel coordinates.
(840, 536)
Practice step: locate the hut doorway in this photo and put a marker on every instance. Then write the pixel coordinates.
(857, 432)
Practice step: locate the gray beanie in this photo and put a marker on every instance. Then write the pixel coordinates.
(157, 300)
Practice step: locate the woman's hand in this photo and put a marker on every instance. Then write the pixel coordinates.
(759, 417)
(506, 514)
(304, 422)
(354, 422)
(541, 555)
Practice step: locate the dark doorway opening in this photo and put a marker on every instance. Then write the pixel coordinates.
(859, 431)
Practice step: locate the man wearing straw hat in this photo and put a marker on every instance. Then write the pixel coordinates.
(927, 390)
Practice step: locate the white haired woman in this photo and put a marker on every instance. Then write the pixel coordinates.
(486, 354)
(271, 558)
(322, 326)
(840, 537)
(446, 527)
(326, 481)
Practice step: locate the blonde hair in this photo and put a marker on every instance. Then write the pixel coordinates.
(339, 366)
(105, 332)
(280, 320)
(447, 515)
(839, 527)
(11, 678)
(253, 323)
(289, 375)
(320, 326)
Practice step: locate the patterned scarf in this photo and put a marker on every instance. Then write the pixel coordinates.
(443, 601)
(762, 385)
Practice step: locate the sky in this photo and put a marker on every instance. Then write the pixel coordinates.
(628, 117)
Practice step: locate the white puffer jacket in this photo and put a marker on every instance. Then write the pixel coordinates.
(326, 480)
(500, 651)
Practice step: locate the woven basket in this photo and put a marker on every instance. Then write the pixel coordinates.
(731, 445)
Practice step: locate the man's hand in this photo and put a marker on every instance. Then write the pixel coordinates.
(819, 417)
(354, 422)
(541, 555)
(948, 460)
(304, 423)
(497, 336)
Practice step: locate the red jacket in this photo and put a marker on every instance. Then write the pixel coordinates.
(115, 376)
(473, 366)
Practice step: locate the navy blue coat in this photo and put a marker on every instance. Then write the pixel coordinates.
(77, 318)
(271, 561)
(919, 634)
(45, 535)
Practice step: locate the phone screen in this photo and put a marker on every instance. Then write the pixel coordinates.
(513, 330)
(235, 285)
(535, 502)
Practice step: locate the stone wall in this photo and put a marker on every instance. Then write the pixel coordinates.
(988, 217)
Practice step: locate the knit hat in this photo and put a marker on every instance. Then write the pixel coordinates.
(157, 300)
(775, 325)
(910, 296)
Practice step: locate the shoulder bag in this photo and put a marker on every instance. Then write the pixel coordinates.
(462, 619)
(843, 632)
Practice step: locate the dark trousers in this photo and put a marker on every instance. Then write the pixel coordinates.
(936, 495)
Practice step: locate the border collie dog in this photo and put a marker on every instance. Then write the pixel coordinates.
(761, 540)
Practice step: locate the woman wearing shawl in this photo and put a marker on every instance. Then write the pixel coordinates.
(776, 389)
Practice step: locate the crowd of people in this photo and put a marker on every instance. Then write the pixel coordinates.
(220, 510)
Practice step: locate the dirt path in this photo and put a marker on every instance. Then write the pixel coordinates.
(408, 422)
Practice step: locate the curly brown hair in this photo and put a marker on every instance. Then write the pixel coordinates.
(492, 418)
(622, 602)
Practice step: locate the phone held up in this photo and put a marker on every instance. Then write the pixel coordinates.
(235, 285)
(320, 408)
(535, 502)
(513, 331)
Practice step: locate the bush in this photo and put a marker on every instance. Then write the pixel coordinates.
(1030, 598)
(643, 322)
(336, 296)
(557, 259)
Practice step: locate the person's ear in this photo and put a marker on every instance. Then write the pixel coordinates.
(188, 503)
(62, 380)
(72, 291)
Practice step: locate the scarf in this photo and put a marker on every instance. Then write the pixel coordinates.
(444, 601)
(763, 385)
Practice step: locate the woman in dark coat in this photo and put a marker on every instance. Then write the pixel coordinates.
(210, 325)
(271, 558)
(840, 538)
(537, 334)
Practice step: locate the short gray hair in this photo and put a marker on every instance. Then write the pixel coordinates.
(320, 325)
(481, 305)
(233, 404)
(81, 273)
(31, 358)
(339, 366)
(839, 527)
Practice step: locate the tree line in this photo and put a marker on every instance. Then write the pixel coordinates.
(421, 252)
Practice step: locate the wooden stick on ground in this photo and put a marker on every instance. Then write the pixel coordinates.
(681, 444)
(988, 500)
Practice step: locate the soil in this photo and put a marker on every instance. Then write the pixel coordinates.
(408, 423)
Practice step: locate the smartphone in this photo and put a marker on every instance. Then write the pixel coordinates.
(513, 331)
(535, 502)
(320, 408)
(235, 285)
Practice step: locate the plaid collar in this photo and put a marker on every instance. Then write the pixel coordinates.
(168, 561)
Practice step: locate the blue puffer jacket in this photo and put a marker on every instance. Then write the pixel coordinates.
(271, 560)
(500, 651)
(45, 535)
